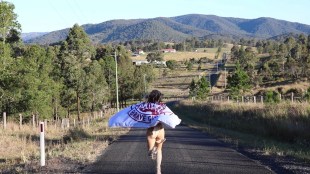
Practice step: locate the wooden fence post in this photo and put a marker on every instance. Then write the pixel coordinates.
(68, 123)
(254, 99)
(45, 124)
(33, 121)
(280, 97)
(4, 120)
(292, 97)
(74, 122)
(262, 99)
(242, 99)
(228, 98)
(20, 121)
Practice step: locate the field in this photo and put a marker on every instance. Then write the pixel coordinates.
(182, 56)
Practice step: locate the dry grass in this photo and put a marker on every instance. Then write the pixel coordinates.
(80, 144)
(182, 56)
(176, 83)
(278, 129)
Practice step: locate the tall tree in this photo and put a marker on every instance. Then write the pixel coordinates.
(239, 82)
(8, 19)
(152, 57)
(95, 87)
(75, 54)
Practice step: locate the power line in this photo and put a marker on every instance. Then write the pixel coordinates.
(76, 13)
(80, 9)
(61, 17)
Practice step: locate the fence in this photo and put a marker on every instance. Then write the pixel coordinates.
(64, 123)
(256, 99)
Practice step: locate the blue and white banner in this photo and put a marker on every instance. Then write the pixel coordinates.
(145, 115)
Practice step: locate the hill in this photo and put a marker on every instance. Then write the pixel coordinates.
(180, 27)
(32, 35)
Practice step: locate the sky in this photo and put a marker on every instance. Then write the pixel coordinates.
(51, 15)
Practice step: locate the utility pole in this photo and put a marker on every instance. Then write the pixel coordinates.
(116, 82)
(210, 82)
(225, 78)
(144, 75)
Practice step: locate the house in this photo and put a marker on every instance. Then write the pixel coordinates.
(139, 51)
(160, 63)
(169, 50)
(139, 62)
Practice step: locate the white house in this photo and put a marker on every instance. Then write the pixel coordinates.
(169, 50)
(139, 62)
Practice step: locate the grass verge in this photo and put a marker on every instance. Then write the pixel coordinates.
(66, 149)
(251, 126)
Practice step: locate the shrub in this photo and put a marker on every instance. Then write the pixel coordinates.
(272, 97)
(172, 64)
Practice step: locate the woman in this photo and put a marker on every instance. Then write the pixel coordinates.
(155, 135)
(152, 115)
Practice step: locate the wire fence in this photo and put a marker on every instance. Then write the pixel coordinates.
(61, 123)
(258, 98)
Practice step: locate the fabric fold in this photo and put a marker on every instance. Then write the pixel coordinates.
(145, 115)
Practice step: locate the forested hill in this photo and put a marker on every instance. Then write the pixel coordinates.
(180, 27)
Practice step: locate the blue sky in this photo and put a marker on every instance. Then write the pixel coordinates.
(51, 15)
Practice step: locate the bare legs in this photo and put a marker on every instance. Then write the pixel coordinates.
(155, 139)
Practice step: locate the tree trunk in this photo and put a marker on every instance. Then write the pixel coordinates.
(93, 105)
(68, 113)
(78, 105)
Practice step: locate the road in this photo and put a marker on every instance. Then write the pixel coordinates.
(185, 151)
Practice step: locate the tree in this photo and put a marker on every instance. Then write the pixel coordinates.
(189, 66)
(172, 64)
(239, 82)
(95, 87)
(8, 19)
(193, 89)
(76, 53)
(36, 86)
(235, 52)
(203, 88)
(157, 56)
(272, 97)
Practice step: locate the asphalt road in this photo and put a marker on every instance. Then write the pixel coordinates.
(185, 151)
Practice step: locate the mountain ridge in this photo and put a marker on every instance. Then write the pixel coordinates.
(179, 28)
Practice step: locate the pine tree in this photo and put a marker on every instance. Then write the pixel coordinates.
(75, 55)
(239, 82)
(203, 88)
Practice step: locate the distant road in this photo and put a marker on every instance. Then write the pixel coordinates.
(186, 151)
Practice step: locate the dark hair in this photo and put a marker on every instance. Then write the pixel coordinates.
(154, 97)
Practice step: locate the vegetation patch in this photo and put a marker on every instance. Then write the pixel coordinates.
(277, 128)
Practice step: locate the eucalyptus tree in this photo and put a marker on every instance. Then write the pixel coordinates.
(126, 75)
(156, 56)
(8, 19)
(143, 76)
(76, 53)
(35, 83)
(95, 87)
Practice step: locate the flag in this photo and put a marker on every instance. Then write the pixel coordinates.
(144, 115)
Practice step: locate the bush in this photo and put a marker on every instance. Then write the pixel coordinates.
(272, 97)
